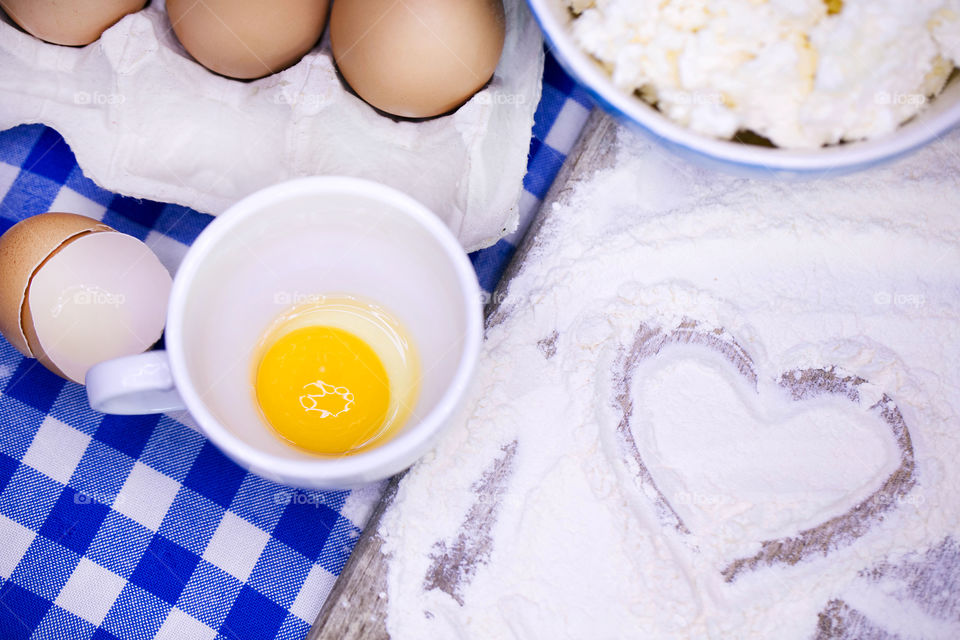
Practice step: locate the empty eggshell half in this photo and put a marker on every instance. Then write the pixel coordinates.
(101, 296)
(69, 22)
(74, 292)
(23, 248)
(247, 39)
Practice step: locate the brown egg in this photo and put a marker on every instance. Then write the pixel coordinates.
(70, 22)
(248, 38)
(74, 292)
(417, 58)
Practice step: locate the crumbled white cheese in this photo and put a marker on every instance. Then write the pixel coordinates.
(792, 71)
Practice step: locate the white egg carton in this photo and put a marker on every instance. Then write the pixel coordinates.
(146, 120)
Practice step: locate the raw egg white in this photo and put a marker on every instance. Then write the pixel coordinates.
(69, 22)
(417, 58)
(74, 292)
(248, 38)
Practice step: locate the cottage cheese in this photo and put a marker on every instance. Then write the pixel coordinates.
(802, 73)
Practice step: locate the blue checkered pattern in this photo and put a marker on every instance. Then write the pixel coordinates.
(137, 527)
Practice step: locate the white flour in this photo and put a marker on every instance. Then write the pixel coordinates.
(571, 541)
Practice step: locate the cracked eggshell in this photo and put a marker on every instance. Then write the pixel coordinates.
(74, 292)
(23, 248)
(99, 297)
(68, 22)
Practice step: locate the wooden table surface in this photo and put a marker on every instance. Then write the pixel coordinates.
(356, 607)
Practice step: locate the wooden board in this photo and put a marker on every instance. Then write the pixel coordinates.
(356, 607)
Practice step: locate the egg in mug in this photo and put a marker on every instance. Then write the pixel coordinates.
(336, 376)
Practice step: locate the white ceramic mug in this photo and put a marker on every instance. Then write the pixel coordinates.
(324, 235)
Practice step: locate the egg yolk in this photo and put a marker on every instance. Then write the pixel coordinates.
(323, 389)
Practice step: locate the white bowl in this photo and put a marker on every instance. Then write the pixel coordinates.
(942, 114)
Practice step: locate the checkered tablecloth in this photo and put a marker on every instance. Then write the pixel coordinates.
(138, 527)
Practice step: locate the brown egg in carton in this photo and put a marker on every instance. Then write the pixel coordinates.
(801, 385)
(147, 120)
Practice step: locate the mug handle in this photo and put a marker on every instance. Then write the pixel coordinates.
(133, 385)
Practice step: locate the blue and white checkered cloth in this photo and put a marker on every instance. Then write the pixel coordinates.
(138, 527)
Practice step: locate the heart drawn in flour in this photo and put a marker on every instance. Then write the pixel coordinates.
(658, 462)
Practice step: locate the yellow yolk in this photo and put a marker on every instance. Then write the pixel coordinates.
(324, 389)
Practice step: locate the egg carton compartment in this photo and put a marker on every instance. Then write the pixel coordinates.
(146, 120)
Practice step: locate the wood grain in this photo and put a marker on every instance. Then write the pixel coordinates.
(357, 606)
